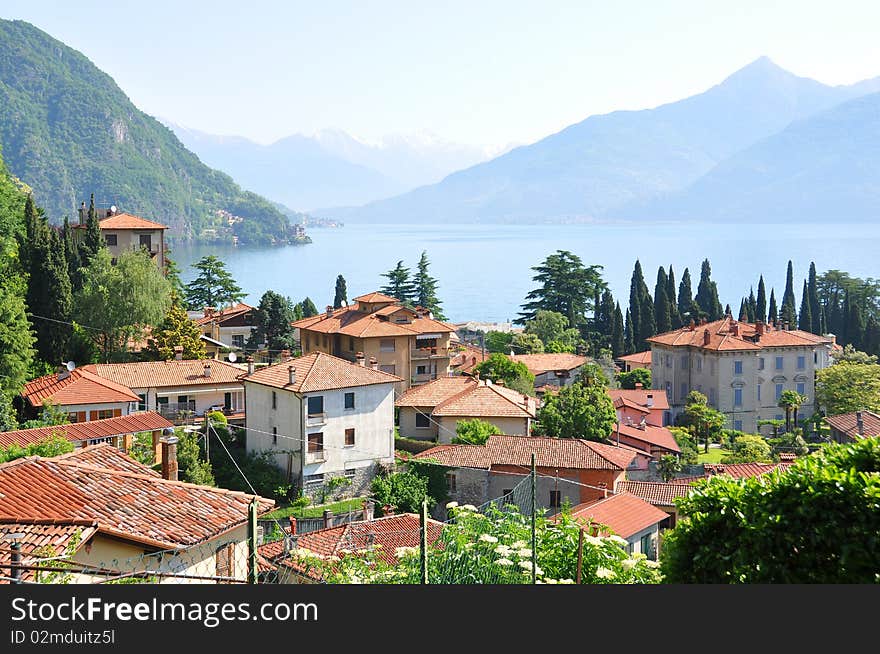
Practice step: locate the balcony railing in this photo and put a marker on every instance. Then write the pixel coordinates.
(315, 457)
(423, 379)
(429, 353)
(178, 412)
(316, 419)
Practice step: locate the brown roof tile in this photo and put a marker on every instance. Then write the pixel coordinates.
(625, 514)
(319, 372)
(79, 387)
(226, 315)
(657, 436)
(640, 397)
(638, 358)
(465, 396)
(41, 539)
(436, 391)
(149, 374)
(848, 424)
(731, 335)
(126, 221)
(656, 492)
(83, 431)
(541, 363)
(735, 470)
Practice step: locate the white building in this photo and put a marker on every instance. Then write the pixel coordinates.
(322, 417)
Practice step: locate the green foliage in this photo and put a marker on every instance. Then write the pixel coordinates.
(425, 289)
(16, 340)
(668, 466)
(47, 447)
(687, 307)
(498, 341)
(8, 420)
(552, 329)
(790, 443)
(434, 474)
(641, 308)
(687, 443)
(701, 420)
(177, 329)
(191, 462)
(50, 415)
(526, 344)
(566, 287)
(404, 491)
(213, 286)
(790, 401)
(761, 301)
(788, 310)
(707, 294)
(848, 387)
(628, 380)
(816, 522)
(340, 295)
(82, 347)
(852, 355)
(68, 129)
(474, 432)
(273, 329)
(142, 449)
(577, 411)
(258, 467)
(618, 333)
(399, 284)
(748, 449)
(119, 300)
(308, 308)
(592, 374)
(514, 373)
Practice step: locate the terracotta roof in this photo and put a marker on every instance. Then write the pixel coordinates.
(640, 397)
(226, 314)
(319, 372)
(376, 297)
(487, 400)
(623, 513)
(41, 539)
(106, 456)
(389, 532)
(638, 358)
(158, 374)
(135, 506)
(436, 391)
(79, 387)
(847, 424)
(83, 431)
(657, 436)
(541, 363)
(656, 492)
(499, 450)
(720, 336)
(125, 221)
(465, 361)
(735, 470)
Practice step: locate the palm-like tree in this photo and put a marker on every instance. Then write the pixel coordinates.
(791, 402)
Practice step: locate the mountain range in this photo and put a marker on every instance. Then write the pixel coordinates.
(676, 160)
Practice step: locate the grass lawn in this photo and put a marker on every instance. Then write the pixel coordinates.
(317, 510)
(714, 455)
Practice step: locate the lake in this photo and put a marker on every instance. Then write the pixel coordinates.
(484, 271)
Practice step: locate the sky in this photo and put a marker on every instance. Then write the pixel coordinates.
(480, 72)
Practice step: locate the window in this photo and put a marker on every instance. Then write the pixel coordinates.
(326, 341)
(316, 405)
(142, 405)
(738, 425)
(737, 367)
(712, 396)
(737, 397)
(390, 369)
(422, 421)
(316, 442)
(350, 344)
(699, 364)
(349, 437)
(801, 363)
(450, 482)
(778, 391)
(110, 239)
(815, 357)
(684, 390)
(223, 561)
(349, 400)
(645, 546)
(386, 345)
(421, 370)
(146, 241)
(182, 399)
(802, 388)
(308, 343)
(779, 363)
(274, 400)
(684, 362)
(712, 367)
(350, 473)
(274, 435)
(668, 361)
(160, 401)
(506, 492)
(759, 392)
(73, 417)
(760, 363)
(314, 479)
(669, 389)
(238, 340)
(779, 416)
(555, 499)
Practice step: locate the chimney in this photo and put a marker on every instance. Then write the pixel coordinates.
(649, 400)
(292, 527)
(759, 328)
(786, 326)
(477, 375)
(860, 424)
(734, 328)
(604, 488)
(639, 386)
(82, 213)
(250, 365)
(209, 311)
(374, 364)
(62, 373)
(706, 337)
(178, 353)
(361, 359)
(691, 325)
(285, 355)
(369, 508)
(291, 374)
(207, 370)
(500, 382)
(329, 310)
(108, 213)
(387, 510)
(328, 518)
(169, 458)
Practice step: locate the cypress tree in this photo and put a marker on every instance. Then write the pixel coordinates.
(425, 288)
(751, 306)
(618, 340)
(686, 304)
(707, 293)
(662, 318)
(761, 302)
(773, 315)
(604, 321)
(855, 322)
(71, 255)
(816, 313)
(341, 294)
(727, 311)
(628, 340)
(788, 310)
(92, 241)
(670, 296)
(635, 300)
(743, 310)
(805, 318)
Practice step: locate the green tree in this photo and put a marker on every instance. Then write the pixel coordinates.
(308, 308)
(526, 344)
(194, 468)
(425, 289)
(707, 294)
(671, 298)
(618, 342)
(92, 241)
(848, 387)
(340, 295)
(403, 491)
(566, 286)
(71, 256)
(748, 449)
(552, 328)
(118, 301)
(788, 310)
(668, 466)
(761, 301)
(177, 329)
(805, 316)
(852, 355)
(53, 445)
(662, 314)
(577, 411)
(592, 374)
(641, 308)
(816, 522)
(628, 380)
(628, 335)
(514, 374)
(172, 274)
(273, 318)
(16, 340)
(687, 308)
(474, 432)
(816, 313)
(687, 443)
(213, 286)
(791, 402)
(700, 419)
(498, 341)
(773, 312)
(399, 284)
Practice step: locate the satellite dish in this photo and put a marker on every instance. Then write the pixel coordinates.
(113, 208)
(232, 357)
(70, 365)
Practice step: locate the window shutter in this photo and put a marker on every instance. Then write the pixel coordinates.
(224, 561)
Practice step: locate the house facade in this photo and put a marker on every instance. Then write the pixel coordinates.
(231, 326)
(79, 393)
(742, 368)
(124, 232)
(321, 417)
(558, 370)
(401, 341)
(630, 362)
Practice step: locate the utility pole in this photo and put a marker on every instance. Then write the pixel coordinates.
(534, 511)
(253, 568)
(580, 565)
(423, 541)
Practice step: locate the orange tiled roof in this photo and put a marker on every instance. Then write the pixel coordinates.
(106, 456)
(465, 361)
(731, 335)
(389, 533)
(640, 397)
(638, 358)
(435, 392)
(487, 400)
(125, 221)
(227, 313)
(79, 387)
(375, 298)
(500, 450)
(735, 470)
(43, 538)
(319, 372)
(149, 374)
(657, 493)
(139, 507)
(657, 436)
(847, 424)
(83, 431)
(623, 513)
(541, 363)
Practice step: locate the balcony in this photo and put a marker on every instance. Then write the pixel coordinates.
(315, 457)
(316, 419)
(179, 413)
(428, 353)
